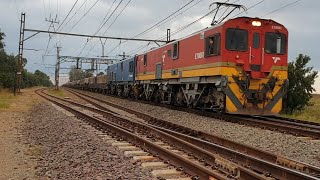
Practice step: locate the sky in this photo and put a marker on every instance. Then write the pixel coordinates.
(300, 17)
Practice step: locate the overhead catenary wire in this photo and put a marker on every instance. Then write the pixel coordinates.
(49, 40)
(63, 19)
(164, 18)
(111, 25)
(116, 18)
(197, 20)
(75, 13)
(104, 21)
(282, 7)
(163, 21)
(251, 7)
(223, 14)
(86, 13)
(71, 19)
(102, 26)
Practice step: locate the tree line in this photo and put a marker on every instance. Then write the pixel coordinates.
(8, 67)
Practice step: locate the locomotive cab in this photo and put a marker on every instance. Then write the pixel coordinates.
(258, 47)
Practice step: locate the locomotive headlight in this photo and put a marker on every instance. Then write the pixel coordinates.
(256, 23)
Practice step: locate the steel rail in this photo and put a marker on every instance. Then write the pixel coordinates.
(295, 122)
(256, 164)
(279, 126)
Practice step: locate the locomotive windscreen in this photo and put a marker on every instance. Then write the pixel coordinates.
(276, 43)
(237, 39)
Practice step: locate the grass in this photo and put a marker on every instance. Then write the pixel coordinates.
(311, 113)
(22, 102)
(58, 93)
(6, 98)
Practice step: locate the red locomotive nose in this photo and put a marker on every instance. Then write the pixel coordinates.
(255, 71)
(255, 75)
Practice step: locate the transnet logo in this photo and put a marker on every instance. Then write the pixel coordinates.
(276, 59)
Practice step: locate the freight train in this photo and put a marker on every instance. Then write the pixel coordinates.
(238, 66)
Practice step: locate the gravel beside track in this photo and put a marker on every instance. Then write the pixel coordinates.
(300, 149)
(69, 150)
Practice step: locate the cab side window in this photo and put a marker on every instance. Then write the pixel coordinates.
(145, 60)
(121, 66)
(131, 66)
(212, 45)
(175, 54)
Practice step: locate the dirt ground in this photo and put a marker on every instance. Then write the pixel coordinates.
(17, 159)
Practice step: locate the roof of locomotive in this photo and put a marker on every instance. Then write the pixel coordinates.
(195, 33)
(128, 59)
(207, 29)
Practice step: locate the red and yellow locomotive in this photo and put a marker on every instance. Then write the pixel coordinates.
(239, 66)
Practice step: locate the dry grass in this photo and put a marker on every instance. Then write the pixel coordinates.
(22, 102)
(58, 93)
(6, 97)
(311, 113)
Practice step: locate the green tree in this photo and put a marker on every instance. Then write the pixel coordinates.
(42, 79)
(77, 74)
(8, 67)
(37, 78)
(88, 73)
(301, 78)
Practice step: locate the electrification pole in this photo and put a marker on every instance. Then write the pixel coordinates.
(18, 73)
(123, 55)
(57, 68)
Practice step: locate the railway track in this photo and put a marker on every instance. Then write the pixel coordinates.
(246, 158)
(195, 161)
(292, 120)
(295, 122)
(143, 137)
(274, 123)
(295, 128)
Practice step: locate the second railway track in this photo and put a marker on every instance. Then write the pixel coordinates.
(274, 123)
